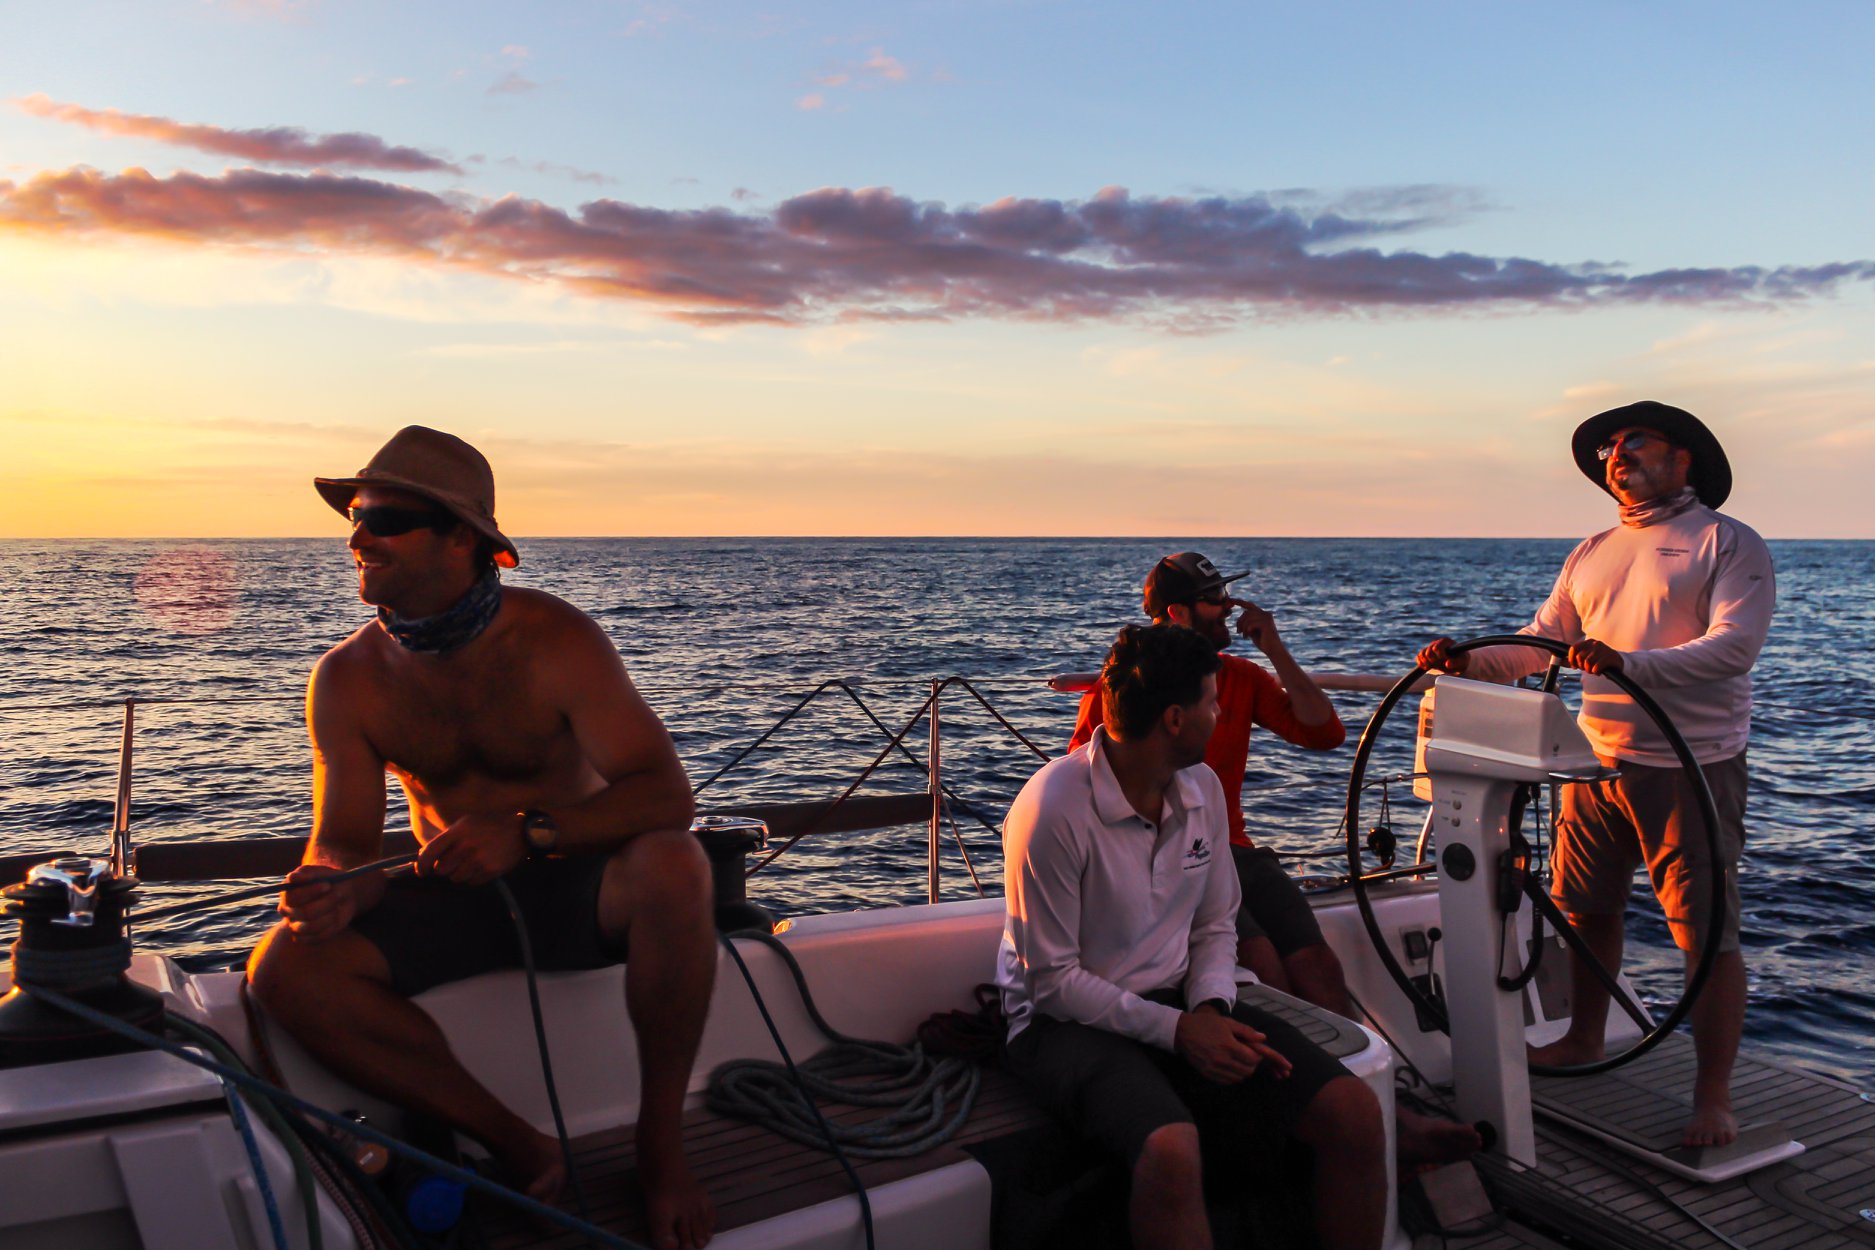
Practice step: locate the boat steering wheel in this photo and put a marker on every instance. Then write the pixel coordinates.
(1709, 948)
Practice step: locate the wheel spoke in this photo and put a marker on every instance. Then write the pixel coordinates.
(1555, 915)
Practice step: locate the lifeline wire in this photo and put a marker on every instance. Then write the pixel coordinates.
(391, 864)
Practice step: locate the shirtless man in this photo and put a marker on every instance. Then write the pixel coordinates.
(526, 755)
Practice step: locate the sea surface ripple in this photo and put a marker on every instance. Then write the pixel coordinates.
(725, 636)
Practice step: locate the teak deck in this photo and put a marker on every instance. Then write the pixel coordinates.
(1815, 1201)
(752, 1173)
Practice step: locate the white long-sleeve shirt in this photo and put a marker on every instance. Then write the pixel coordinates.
(1104, 906)
(1688, 602)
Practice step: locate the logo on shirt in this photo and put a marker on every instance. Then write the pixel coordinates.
(1674, 551)
(1199, 855)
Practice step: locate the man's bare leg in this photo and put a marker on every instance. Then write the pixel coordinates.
(1342, 1126)
(1316, 973)
(336, 1000)
(656, 895)
(1259, 955)
(1718, 1021)
(1166, 1211)
(1586, 1040)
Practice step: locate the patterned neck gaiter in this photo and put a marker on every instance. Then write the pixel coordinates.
(454, 627)
(1640, 515)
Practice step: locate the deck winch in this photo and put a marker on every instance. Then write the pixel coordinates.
(72, 940)
(728, 841)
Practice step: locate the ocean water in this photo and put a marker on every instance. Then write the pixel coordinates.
(725, 636)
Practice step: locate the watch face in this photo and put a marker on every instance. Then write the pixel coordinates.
(541, 832)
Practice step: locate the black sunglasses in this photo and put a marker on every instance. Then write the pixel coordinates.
(388, 521)
(1633, 440)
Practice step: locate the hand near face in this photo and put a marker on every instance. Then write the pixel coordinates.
(1256, 625)
(474, 850)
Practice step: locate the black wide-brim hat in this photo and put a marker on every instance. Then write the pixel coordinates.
(1711, 474)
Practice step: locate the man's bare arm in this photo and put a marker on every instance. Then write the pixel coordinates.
(1305, 697)
(646, 787)
(618, 736)
(348, 809)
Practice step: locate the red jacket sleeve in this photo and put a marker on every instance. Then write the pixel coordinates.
(1274, 711)
(1085, 721)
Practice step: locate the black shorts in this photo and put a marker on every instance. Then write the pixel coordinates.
(1273, 904)
(1118, 1092)
(433, 931)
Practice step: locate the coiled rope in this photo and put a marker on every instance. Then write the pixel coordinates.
(930, 1099)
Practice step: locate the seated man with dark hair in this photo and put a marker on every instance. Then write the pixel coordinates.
(1117, 966)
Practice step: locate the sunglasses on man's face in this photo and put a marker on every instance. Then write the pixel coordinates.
(388, 521)
(1633, 440)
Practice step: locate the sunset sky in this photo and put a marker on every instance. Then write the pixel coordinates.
(950, 267)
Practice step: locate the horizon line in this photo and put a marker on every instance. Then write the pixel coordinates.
(518, 538)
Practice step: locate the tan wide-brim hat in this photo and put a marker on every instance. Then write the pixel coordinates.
(438, 466)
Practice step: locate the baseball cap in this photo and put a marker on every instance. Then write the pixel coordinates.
(1182, 578)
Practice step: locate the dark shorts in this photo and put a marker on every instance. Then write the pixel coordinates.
(1118, 1092)
(1607, 829)
(1273, 904)
(432, 931)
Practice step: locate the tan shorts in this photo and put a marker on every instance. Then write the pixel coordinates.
(1607, 829)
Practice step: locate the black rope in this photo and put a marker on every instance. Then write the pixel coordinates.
(354, 1128)
(65, 970)
(859, 1186)
(540, 1042)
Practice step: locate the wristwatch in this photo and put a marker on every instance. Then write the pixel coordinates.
(540, 831)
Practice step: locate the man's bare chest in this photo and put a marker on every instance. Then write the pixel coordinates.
(478, 727)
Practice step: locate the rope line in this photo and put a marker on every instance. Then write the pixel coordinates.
(354, 1128)
(761, 1005)
(392, 864)
(931, 1099)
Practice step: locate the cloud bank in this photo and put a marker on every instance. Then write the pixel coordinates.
(839, 254)
(273, 145)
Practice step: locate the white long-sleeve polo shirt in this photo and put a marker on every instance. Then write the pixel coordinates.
(1104, 906)
(1688, 602)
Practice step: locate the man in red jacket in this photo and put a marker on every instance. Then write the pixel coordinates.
(1277, 937)
(1277, 934)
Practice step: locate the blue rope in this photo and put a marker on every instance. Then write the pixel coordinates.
(238, 1114)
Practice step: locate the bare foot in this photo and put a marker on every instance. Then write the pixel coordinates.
(1428, 1141)
(1567, 1051)
(678, 1209)
(1713, 1125)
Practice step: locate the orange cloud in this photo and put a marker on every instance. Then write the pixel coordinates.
(274, 145)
